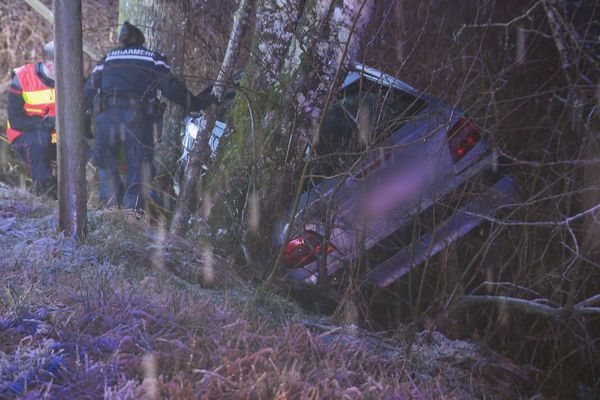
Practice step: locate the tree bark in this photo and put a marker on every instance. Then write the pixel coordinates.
(340, 28)
(201, 151)
(72, 190)
(317, 84)
(297, 53)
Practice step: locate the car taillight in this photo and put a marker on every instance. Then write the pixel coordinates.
(304, 249)
(462, 137)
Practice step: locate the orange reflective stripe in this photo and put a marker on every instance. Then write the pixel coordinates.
(39, 97)
(31, 110)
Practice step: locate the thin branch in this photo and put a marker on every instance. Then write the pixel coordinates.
(506, 285)
(589, 302)
(200, 153)
(499, 24)
(594, 161)
(564, 222)
(530, 306)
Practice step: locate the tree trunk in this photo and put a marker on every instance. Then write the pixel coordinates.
(341, 28)
(248, 172)
(201, 151)
(164, 23)
(72, 190)
(298, 47)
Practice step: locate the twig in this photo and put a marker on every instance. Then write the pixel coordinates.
(509, 285)
(499, 24)
(545, 164)
(588, 302)
(564, 222)
(531, 306)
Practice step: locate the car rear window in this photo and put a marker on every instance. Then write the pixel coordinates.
(362, 116)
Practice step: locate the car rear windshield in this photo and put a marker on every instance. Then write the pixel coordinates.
(363, 115)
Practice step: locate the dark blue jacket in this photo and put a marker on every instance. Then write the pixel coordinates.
(137, 71)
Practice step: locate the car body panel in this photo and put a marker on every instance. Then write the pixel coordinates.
(191, 128)
(189, 132)
(461, 223)
(396, 179)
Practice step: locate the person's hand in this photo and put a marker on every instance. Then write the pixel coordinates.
(207, 90)
(203, 100)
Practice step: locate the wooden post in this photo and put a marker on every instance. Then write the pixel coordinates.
(72, 191)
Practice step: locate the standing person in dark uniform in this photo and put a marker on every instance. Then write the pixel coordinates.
(31, 119)
(123, 90)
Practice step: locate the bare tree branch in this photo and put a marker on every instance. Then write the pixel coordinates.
(588, 302)
(526, 14)
(534, 307)
(564, 222)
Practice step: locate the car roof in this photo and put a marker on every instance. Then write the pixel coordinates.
(358, 70)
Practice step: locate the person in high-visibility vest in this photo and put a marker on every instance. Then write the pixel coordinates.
(31, 119)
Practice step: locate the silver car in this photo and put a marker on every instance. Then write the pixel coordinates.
(398, 176)
(191, 127)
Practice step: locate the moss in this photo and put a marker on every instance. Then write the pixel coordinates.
(253, 135)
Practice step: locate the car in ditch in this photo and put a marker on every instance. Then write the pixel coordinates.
(397, 176)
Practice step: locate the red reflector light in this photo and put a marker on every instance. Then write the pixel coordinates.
(304, 249)
(462, 137)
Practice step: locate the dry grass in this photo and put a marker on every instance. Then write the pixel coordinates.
(105, 320)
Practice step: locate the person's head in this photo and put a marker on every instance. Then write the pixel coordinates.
(48, 59)
(130, 35)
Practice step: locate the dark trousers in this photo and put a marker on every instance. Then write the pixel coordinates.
(37, 151)
(118, 128)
